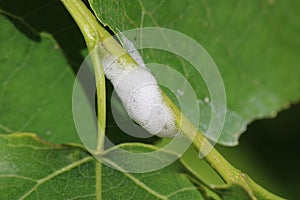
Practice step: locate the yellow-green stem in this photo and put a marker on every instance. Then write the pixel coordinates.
(94, 35)
(227, 172)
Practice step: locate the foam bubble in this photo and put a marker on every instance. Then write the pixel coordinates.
(140, 94)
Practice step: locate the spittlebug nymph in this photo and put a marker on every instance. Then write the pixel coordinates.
(140, 94)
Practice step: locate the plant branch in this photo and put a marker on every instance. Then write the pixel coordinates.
(94, 35)
(226, 171)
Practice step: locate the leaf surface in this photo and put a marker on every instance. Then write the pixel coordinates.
(33, 169)
(35, 86)
(254, 44)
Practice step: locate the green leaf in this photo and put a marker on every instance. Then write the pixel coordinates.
(254, 44)
(32, 168)
(35, 86)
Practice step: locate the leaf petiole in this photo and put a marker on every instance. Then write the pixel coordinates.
(93, 34)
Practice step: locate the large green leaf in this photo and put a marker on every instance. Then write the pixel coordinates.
(35, 86)
(33, 169)
(255, 45)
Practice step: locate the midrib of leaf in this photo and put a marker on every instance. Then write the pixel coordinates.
(98, 177)
(89, 27)
(144, 186)
(98, 166)
(56, 173)
(135, 180)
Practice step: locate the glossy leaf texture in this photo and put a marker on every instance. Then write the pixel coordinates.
(255, 45)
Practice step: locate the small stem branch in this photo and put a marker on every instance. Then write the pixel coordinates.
(226, 171)
(214, 158)
(93, 34)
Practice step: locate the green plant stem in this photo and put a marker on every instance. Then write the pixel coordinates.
(226, 171)
(94, 35)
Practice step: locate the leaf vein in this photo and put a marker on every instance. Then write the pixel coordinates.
(135, 180)
(56, 173)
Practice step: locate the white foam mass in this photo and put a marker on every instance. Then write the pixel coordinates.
(140, 94)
